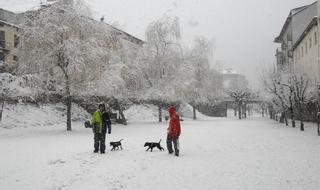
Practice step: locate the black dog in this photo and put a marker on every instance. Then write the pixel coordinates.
(151, 145)
(115, 145)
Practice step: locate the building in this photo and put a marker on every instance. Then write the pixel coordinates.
(294, 26)
(9, 34)
(9, 38)
(232, 80)
(305, 50)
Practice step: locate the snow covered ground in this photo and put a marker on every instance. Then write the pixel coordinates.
(216, 153)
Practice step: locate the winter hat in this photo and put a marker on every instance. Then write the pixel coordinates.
(102, 106)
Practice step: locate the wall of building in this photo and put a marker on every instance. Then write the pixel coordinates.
(298, 22)
(306, 54)
(234, 82)
(9, 51)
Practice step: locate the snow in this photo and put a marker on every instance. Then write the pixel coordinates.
(143, 113)
(42, 115)
(216, 153)
(138, 113)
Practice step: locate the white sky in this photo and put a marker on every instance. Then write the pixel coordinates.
(243, 30)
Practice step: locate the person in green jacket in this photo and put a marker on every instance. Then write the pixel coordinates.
(101, 125)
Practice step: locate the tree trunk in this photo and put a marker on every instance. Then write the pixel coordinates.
(1, 111)
(282, 117)
(271, 113)
(244, 111)
(194, 113)
(301, 125)
(226, 110)
(262, 112)
(286, 120)
(235, 111)
(292, 117)
(239, 108)
(318, 128)
(68, 102)
(160, 112)
(123, 118)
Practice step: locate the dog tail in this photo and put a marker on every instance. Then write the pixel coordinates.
(120, 140)
(160, 140)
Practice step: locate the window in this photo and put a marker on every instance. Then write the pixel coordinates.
(16, 41)
(315, 38)
(310, 42)
(15, 58)
(2, 57)
(306, 48)
(2, 39)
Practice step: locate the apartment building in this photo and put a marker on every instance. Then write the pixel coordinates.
(9, 38)
(294, 26)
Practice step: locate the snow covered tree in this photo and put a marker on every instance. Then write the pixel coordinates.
(302, 93)
(277, 85)
(292, 91)
(241, 96)
(201, 88)
(64, 47)
(163, 57)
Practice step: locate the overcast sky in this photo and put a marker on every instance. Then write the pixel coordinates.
(243, 30)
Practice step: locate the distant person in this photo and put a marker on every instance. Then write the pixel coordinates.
(174, 131)
(101, 124)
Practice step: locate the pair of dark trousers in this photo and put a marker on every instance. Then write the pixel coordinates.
(99, 141)
(175, 141)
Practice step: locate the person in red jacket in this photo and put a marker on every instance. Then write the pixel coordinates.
(174, 131)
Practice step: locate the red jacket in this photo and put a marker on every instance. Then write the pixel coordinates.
(174, 129)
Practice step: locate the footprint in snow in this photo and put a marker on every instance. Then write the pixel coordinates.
(58, 161)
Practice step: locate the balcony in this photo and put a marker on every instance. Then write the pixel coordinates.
(280, 57)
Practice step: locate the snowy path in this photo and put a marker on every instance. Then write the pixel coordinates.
(217, 154)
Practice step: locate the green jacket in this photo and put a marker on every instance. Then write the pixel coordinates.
(101, 122)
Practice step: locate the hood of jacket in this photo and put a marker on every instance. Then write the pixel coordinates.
(172, 110)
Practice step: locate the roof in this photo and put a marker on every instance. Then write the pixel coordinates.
(139, 41)
(48, 3)
(129, 36)
(293, 12)
(9, 24)
(314, 22)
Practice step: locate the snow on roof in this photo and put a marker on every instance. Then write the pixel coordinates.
(9, 24)
(292, 13)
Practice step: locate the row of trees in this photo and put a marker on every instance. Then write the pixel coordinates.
(292, 94)
(73, 55)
